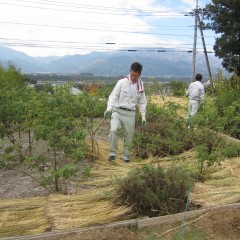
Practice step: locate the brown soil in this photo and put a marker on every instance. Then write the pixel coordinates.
(223, 224)
(17, 184)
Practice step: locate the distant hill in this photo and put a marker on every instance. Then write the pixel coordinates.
(163, 64)
(21, 60)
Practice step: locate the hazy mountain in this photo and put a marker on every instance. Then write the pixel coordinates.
(47, 59)
(164, 64)
(21, 60)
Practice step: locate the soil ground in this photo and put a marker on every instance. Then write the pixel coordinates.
(16, 184)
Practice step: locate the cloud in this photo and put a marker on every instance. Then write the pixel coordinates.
(69, 27)
(191, 3)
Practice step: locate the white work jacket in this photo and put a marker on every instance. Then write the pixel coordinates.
(122, 96)
(196, 91)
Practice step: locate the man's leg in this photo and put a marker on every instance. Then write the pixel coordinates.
(113, 136)
(193, 109)
(188, 116)
(129, 125)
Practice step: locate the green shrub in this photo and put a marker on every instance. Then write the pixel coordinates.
(212, 148)
(153, 191)
(165, 133)
(231, 150)
(178, 88)
(227, 103)
(89, 106)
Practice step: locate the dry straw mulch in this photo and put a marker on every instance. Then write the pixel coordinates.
(223, 187)
(92, 204)
(23, 216)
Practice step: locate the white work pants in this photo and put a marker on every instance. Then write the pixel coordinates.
(193, 107)
(192, 111)
(126, 119)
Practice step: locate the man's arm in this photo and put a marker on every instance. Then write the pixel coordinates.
(142, 105)
(113, 98)
(202, 95)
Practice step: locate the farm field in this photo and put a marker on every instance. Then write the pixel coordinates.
(27, 208)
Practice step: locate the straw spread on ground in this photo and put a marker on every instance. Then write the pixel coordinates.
(222, 187)
(92, 204)
(161, 100)
(23, 216)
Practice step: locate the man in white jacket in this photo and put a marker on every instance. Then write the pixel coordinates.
(196, 96)
(121, 107)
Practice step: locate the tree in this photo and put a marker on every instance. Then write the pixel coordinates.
(225, 19)
(63, 133)
(10, 78)
(14, 98)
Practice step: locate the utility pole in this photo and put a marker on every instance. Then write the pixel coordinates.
(205, 52)
(198, 23)
(195, 43)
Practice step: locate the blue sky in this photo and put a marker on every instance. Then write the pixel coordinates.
(60, 27)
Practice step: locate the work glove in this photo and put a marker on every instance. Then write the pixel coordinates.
(107, 114)
(144, 123)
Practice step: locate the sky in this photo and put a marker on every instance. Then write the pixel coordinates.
(61, 27)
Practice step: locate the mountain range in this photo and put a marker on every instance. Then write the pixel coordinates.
(159, 64)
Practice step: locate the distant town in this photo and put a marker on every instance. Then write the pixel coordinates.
(89, 78)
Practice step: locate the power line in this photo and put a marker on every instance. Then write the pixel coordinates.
(95, 43)
(109, 12)
(77, 5)
(87, 45)
(104, 49)
(96, 29)
(74, 7)
(171, 27)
